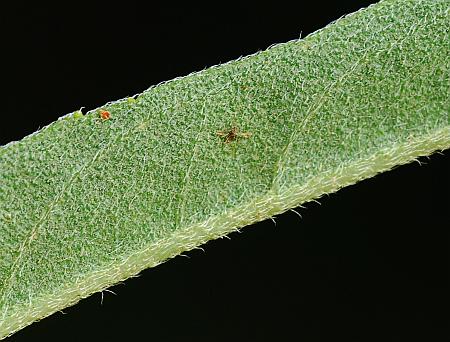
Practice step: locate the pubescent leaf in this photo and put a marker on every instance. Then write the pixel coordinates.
(93, 199)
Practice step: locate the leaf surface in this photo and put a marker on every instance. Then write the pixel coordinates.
(90, 201)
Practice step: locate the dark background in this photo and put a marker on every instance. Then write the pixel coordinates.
(370, 263)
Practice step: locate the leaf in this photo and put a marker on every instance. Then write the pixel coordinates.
(93, 199)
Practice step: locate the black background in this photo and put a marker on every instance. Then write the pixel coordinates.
(370, 263)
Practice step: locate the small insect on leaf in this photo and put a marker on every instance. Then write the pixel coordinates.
(78, 114)
(105, 115)
(233, 134)
(131, 100)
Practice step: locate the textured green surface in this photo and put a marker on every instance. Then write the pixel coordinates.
(85, 202)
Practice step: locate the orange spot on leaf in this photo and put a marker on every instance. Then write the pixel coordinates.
(105, 115)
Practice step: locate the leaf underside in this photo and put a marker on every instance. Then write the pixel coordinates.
(87, 202)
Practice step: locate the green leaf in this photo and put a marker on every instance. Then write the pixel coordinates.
(88, 202)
